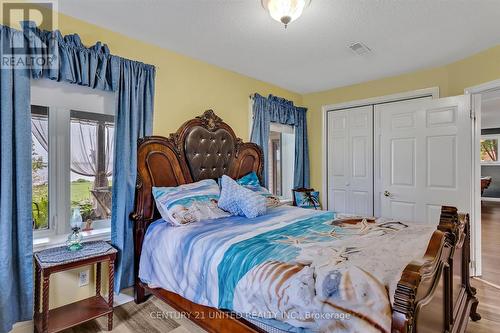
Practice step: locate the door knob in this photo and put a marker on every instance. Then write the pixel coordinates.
(387, 194)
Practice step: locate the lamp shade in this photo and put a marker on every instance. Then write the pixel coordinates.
(285, 11)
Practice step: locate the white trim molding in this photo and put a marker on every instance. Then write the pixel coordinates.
(432, 91)
(483, 87)
(491, 199)
(250, 117)
(42, 243)
(476, 247)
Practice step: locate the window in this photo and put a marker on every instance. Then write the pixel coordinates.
(489, 149)
(91, 165)
(281, 160)
(40, 167)
(72, 159)
(275, 174)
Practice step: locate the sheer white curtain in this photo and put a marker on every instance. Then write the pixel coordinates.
(84, 149)
(91, 156)
(84, 145)
(39, 128)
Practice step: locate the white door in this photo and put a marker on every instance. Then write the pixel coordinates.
(425, 158)
(377, 170)
(350, 160)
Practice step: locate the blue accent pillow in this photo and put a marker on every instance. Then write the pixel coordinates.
(239, 200)
(249, 180)
(307, 199)
(189, 203)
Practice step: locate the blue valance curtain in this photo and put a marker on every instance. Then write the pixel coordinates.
(282, 111)
(63, 58)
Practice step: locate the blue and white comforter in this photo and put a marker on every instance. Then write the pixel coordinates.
(294, 265)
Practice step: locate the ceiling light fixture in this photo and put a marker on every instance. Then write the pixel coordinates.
(285, 11)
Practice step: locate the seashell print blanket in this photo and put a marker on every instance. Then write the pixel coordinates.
(304, 268)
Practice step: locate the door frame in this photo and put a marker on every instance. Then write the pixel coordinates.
(412, 94)
(475, 93)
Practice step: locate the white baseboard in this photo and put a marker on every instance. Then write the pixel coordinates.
(127, 295)
(490, 199)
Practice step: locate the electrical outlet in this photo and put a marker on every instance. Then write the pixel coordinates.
(83, 278)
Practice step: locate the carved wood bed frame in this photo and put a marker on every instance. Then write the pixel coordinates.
(434, 294)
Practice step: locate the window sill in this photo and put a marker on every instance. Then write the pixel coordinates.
(42, 243)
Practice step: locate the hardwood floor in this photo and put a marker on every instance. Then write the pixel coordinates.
(488, 295)
(154, 316)
(489, 309)
(490, 235)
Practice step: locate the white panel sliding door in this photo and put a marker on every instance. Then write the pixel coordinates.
(350, 160)
(425, 158)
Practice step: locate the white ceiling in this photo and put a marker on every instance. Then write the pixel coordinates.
(312, 54)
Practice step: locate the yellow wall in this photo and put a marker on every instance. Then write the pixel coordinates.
(451, 79)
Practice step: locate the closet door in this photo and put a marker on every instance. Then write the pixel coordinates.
(378, 190)
(425, 158)
(350, 160)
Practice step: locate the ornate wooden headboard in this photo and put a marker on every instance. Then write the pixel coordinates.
(203, 147)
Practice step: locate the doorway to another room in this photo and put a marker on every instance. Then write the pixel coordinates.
(489, 140)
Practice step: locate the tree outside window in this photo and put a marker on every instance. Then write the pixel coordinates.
(489, 150)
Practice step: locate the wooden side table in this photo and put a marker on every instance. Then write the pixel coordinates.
(61, 259)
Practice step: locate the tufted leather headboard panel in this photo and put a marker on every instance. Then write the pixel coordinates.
(209, 153)
(203, 147)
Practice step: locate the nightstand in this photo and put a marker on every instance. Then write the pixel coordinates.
(61, 259)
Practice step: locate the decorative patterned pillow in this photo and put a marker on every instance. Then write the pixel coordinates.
(189, 203)
(308, 199)
(251, 182)
(239, 200)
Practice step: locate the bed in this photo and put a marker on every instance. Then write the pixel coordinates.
(430, 293)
